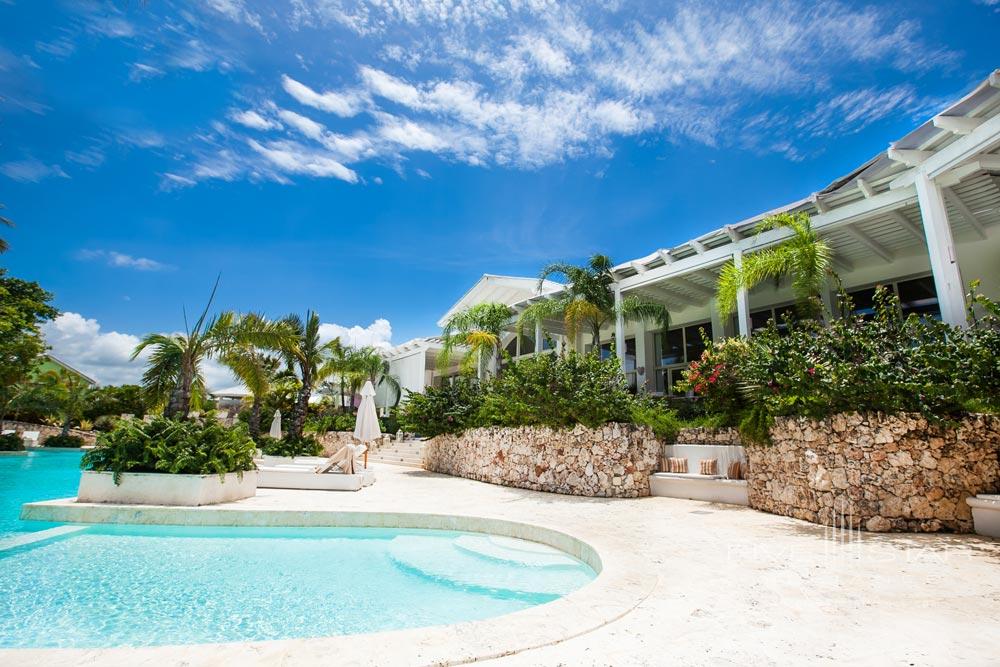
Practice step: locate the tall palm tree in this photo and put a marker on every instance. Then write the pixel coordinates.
(341, 366)
(6, 222)
(479, 329)
(310, 357)
(804, 257)
(173, 376)
(256, 369)
(373, 367)
(588, 301)
(73, 394)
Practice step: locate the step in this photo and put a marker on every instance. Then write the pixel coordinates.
(424, 557)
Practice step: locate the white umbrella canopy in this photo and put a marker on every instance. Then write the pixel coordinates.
(275, 431)
(366, 428)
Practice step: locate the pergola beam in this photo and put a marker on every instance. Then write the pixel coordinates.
(969, 216)
(871, 243)
(909, 226)
(958, 124)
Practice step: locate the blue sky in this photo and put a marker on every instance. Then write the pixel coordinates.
(370, 160)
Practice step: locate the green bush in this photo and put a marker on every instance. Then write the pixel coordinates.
(341, 421)
(655, 414)
(558, 392)
(448, 409)
(305, 446)
(886, 363)
(175, 447)
(11, 442)
(67, 440)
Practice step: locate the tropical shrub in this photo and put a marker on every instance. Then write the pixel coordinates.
(557, 391)
(174, 447)
(113, 401)
(887, 363)
(11, 442)
(715, 379)
(105, 423)
(307, 445)
(344, 421)
(653, 413)
(68, 440)
(451, 408)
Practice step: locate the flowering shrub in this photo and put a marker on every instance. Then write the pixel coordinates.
(715, 378)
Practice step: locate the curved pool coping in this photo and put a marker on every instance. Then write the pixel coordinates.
(621, 584)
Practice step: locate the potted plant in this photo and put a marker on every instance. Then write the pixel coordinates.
(169, 462)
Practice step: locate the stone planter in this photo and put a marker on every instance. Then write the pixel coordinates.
(614, 460)
(875, 471)
(142, 488)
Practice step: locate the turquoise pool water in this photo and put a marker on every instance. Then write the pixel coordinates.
(136, 585)
(38, 475)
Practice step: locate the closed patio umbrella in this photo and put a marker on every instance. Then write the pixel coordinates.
(366, 428)
(275, 431)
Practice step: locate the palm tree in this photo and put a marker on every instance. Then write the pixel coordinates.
(256, 369)
(588, 301)
(6, 222)
(372, 366)
(341, 366)
(805, 257)
(479, 329)
(173, 376)
(73, 394)
(311, 358)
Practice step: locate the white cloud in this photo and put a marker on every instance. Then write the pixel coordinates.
(341, 104)
(142, 138)
(377, 334)
(31, 170)
(294, 158)
(253, 120)
(530, 83)
(141, 71)
(103, 355)
(88, 157)
(306, 126)
(121, 260)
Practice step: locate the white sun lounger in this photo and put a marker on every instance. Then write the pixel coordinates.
(312, 472)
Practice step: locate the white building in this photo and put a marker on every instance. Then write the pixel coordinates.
(922, 217)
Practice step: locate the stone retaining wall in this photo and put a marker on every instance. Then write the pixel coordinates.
(875, 471)
(45, 431)
(614, 460)
(708, 436)
(332, 441)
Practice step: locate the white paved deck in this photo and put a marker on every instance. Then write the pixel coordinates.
(712, 584)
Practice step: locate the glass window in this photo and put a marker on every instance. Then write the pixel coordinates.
(671, 347)
(694, 344)
(760, 318)
(919, 296)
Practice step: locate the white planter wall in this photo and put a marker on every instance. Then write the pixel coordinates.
(143, 488)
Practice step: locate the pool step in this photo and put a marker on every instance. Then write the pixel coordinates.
(505, 576)
(509, 550)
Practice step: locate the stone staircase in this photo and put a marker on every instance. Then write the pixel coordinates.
(408, 453)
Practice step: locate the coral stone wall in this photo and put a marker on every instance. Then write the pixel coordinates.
(614, 460)
(333, 441)
(45, 431)
(875, 471)
(708, 436)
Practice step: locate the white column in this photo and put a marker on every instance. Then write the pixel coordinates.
(742, 300)
(941, 250)
(619, 327)
(718, 326)
(538, 337)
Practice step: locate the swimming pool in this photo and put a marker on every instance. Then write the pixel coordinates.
(152, 585)
(31, 476)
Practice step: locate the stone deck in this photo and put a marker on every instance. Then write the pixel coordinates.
(698, 583)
